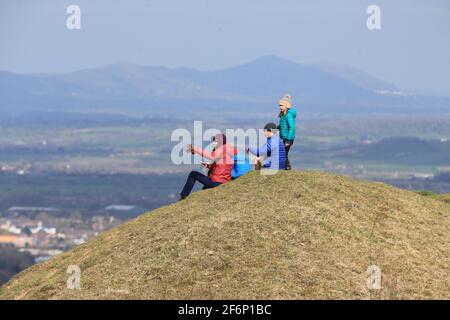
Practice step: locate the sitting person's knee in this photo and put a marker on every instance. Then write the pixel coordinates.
(194, 174)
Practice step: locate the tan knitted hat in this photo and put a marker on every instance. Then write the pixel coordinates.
(285, 101)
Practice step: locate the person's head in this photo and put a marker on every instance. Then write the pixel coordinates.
(285, 103)
(269, 129)
(219, 139)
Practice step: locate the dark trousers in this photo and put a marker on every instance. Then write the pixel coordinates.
(291, 142)
(200, 177)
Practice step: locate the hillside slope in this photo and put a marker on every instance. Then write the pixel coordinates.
(443, 197)
(293, 235)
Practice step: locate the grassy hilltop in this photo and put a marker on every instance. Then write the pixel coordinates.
(293, 235)
(443, 197)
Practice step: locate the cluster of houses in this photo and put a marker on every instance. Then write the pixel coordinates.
(19, 170)
(344, 168)
(28, 236)
(20, 229)
(47, 231)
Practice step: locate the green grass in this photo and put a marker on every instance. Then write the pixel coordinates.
(293, 235)
(426, 193)
(443, 197)
(440, 197)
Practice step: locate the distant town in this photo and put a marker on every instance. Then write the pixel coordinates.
(45, 232)
(66, 177)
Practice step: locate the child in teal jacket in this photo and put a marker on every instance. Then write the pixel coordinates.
(287, 117)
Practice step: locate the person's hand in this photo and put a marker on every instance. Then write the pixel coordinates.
(287, 144)
(205, 164)
(189, 148)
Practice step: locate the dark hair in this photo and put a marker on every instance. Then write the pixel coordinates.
(220, 138)
(270, 126)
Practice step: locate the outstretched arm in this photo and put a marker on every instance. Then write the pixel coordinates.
(259, 152)
(214, 155)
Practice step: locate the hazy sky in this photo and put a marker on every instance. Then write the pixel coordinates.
(411, 50)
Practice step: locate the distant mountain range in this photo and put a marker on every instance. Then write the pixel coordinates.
(257, 84)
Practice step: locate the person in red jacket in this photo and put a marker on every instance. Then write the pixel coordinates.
(219, 170)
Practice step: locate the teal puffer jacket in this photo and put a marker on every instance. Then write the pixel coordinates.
(287, 125)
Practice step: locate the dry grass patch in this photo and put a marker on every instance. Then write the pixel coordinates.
(293, 235)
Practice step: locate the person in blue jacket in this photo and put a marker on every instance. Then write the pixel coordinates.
(273, 150)
(241, 165)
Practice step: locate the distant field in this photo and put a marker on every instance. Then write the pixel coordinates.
(103, 144)
(88, 192)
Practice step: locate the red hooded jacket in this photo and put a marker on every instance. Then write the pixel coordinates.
(223, 157)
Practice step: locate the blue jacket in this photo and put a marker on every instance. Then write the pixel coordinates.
(274, 152)
(241, 166)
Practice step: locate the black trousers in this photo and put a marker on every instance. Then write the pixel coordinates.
(200, 177)
(291, 142)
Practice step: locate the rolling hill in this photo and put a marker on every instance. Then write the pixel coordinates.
(126, 87)
(293, 235)
(443, 197)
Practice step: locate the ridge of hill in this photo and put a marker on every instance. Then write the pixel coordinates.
(292, 235)
(126, 87)
(443, 197)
